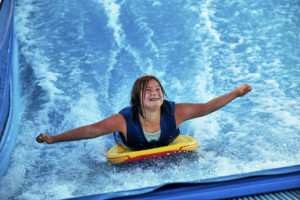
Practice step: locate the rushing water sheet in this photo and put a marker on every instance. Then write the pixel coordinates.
(78, 62)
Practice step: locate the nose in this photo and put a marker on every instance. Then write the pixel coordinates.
(153, 92)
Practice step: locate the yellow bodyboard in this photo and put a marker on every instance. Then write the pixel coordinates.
(120, 154)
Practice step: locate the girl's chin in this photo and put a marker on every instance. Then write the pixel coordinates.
(153, 104)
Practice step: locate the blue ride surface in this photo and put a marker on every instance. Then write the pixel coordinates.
(78, 61)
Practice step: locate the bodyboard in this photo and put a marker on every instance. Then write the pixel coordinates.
(121, 154)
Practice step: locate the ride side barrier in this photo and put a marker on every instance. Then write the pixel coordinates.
(9, 85)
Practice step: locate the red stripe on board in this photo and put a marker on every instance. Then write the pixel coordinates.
(188, 145)
(154, 155)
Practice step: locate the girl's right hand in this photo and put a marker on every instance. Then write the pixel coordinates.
(44, 138)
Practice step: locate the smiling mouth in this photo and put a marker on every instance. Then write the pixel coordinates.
(154, 99)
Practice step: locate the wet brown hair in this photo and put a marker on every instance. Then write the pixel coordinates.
(139, 86)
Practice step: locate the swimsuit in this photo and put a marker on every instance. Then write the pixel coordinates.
(152, 136)
(138, 140)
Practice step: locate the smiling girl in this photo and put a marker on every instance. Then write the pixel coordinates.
(150, 121)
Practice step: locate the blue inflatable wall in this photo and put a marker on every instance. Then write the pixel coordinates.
(265, 184)
(9, 89)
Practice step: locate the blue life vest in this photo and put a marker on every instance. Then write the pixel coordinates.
(136, 139)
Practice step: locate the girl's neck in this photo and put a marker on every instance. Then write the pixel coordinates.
(151, 116)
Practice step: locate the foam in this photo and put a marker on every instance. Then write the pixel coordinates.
(144, 28)
(156, 3)
(206, 13)
(37, 58)
(113, 11)
(86, 109)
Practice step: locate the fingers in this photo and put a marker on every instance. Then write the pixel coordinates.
(43, 138)
(247, 88)
(39, 138)
(243, 89)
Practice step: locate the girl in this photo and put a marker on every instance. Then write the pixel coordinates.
(150, 121)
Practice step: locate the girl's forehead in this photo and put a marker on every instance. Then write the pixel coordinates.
(152, 83)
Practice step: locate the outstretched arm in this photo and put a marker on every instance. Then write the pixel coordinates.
(186, 111)
(114, 123)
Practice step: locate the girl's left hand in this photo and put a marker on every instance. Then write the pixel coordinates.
(243, 89)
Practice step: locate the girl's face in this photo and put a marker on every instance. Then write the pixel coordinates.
(153, 97)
